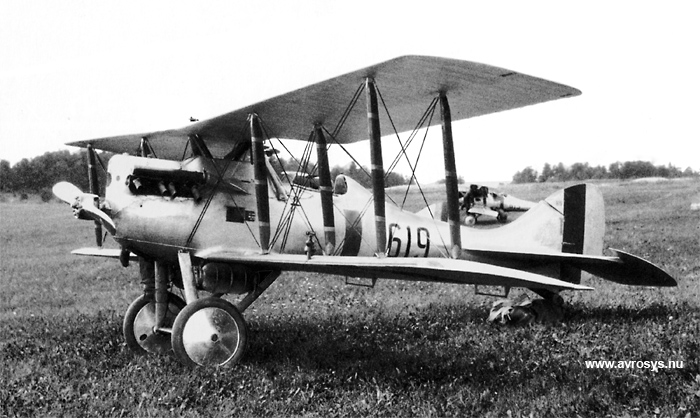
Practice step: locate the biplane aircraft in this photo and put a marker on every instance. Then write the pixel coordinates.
(479, 201)
(201, 209)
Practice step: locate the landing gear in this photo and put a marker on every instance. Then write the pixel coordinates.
(502, 216)
(140, 322)
(209, 332)
(470, 220)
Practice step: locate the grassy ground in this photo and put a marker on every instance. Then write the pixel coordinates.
(320, 348)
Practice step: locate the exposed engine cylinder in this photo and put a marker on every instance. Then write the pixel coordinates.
(226, 278)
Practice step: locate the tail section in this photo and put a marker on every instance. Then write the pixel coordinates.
(581, 213)
(570, 221)
(563, 236)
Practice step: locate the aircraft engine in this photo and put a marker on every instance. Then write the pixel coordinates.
(166, 182)
(226, 278)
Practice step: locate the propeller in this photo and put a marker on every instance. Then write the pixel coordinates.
(84, 204)
(68, 192)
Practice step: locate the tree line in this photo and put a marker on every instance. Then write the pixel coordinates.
(38, 175)
(617, 170)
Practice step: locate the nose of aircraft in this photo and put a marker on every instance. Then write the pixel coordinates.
(83, 203)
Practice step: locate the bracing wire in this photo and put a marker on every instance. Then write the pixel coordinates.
(285, 223)
(428, 114)
(220, 179)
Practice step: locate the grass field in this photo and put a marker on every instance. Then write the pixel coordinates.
(318, 347)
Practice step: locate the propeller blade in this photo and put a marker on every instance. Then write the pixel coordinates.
(93, 212)
(85, 202)
(67, 192)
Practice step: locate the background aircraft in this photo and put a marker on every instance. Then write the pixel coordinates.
(482, 202)
(201, 209)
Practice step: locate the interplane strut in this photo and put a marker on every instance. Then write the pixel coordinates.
(451, 187)
(375, 145)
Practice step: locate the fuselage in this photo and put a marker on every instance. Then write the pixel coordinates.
(204, 204)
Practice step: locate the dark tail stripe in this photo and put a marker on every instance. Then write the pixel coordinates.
(574, 228)
(574, 219)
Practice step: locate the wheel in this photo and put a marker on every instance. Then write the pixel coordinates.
(470, 220)
(209, 332)
(139, 320)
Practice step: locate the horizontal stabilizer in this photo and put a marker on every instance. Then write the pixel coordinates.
(420, 269)
(633, 270)
(622, 267)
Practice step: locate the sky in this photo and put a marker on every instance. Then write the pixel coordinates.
(76, 70)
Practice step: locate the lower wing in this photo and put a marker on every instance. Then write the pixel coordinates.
(423, 269)
(103, 253)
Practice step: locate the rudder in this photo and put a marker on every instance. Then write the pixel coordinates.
(583, 225)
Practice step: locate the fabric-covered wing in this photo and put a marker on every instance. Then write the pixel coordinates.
(420, 269)
(407, 84)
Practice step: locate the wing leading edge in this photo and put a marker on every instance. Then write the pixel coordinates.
(420, 269)
(408, 85)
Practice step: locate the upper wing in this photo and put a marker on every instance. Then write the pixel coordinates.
(407, 84)
(424, 269)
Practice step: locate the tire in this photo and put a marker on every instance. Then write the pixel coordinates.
(209, 332)
(139, 321)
